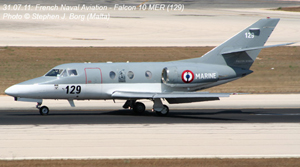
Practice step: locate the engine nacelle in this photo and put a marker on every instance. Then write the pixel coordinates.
(187, 76)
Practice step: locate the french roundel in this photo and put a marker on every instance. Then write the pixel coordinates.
(187, 76)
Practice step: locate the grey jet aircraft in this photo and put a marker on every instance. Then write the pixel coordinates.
(174, 81)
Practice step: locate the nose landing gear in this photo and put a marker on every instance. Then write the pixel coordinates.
(44, 110)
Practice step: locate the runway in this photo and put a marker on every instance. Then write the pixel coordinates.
(126, 141)
(251, 108)
(200, 116)
(101, 130)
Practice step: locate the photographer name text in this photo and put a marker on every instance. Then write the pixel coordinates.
(92, 12)
(83, 7)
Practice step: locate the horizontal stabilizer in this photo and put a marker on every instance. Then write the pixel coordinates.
(255, 48)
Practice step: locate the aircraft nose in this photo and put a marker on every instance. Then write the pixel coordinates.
(12, 91)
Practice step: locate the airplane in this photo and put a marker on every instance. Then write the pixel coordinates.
(175, 81)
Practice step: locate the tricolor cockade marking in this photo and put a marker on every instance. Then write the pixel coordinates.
(187, 76)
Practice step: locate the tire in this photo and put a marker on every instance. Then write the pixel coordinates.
(44, 110)
(139, 108)
(164, 111)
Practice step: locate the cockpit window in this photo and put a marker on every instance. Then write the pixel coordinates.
(64, 74)
(72, 72)
(54, 72)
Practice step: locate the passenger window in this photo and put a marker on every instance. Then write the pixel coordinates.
(72, 72)
(54, 72)
(112, 75)
(148, 74)
(130, 74)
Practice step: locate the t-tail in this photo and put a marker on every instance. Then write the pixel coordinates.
(241, 50)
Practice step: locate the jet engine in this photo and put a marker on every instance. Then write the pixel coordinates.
(187, 76)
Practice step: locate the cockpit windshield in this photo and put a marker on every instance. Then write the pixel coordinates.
(54, 72)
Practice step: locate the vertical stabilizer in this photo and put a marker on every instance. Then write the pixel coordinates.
(238, 51)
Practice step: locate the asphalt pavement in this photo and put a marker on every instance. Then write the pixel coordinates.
(200, 116)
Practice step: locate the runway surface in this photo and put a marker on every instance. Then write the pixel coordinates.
(100, 130)
(61, 117)
(263, 108)
(81, 141)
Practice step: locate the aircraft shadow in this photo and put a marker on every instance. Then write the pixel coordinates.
(217, 115)
(128, 117)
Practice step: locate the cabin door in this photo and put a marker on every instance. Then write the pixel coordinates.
(93, 75)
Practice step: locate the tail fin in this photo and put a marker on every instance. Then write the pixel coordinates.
(242, 49)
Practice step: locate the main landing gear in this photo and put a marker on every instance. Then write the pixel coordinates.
(44, 110)
(164, 111)
(139, 107)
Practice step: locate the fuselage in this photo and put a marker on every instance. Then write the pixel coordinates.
(100, 80)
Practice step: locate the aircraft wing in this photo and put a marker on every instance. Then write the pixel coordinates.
(171, 97)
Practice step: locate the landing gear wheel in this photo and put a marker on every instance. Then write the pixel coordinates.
(129, 104)
(139, 108)
(164, 111)
(44, 110)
